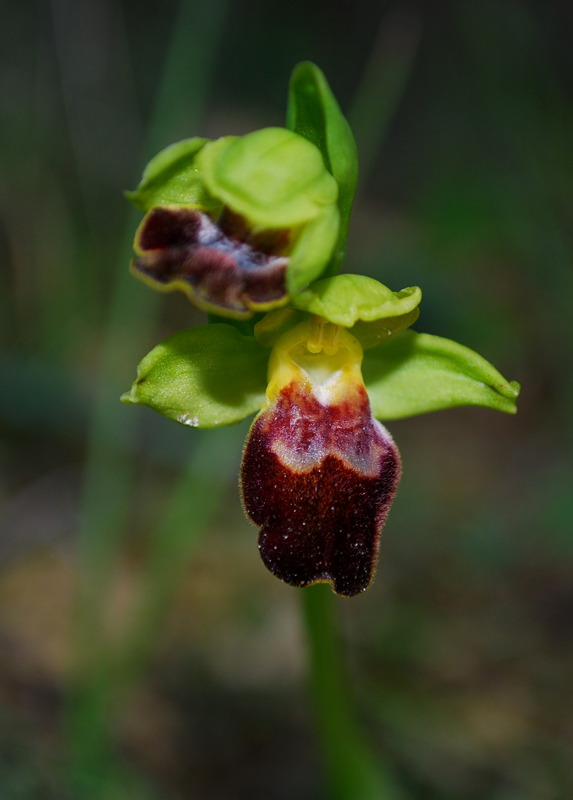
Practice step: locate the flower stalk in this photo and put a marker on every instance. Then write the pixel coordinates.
(352, 770)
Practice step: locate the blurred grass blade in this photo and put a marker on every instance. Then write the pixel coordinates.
(193, 504)
(110, 470)
(109, 475)
(383, 84)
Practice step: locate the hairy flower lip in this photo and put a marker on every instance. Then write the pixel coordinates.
(320, 510)
(221, 266)
(319, 472)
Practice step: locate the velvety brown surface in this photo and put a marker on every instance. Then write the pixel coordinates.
(322, 520)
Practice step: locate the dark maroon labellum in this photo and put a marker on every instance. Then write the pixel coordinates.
(319, 480)
(219, 264)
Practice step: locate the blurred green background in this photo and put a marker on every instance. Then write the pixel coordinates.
(144, 649)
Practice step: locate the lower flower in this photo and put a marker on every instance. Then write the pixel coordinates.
(319, 473)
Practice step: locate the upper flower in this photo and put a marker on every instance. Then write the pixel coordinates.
(238, 223)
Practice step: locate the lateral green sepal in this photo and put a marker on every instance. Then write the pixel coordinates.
(314, 113)
(413, 373)
(204, 377)
(173, 177)
(346, 299)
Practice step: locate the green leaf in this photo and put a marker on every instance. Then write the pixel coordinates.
(173, 177)
(345, 299)
(413, 373)
(273, 177)
(314, 113)
(203, 377)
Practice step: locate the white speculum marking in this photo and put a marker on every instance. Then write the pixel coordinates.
(354, 439)
(325, 372)
(326, 367)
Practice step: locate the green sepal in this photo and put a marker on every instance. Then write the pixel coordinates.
(413, 373)
(204, 377)
(314, 113)
(346, 299)
(173, 177)
(272, 177)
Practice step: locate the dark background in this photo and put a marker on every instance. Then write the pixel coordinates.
(461, 654)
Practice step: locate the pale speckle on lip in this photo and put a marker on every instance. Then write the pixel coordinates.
(187, 419)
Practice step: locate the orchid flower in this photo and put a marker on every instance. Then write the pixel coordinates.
(258, 223)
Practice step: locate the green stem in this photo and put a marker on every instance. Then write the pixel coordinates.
(351, 769)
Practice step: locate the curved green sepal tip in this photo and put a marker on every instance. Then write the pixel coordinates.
(346, 299)
(203, 377)
(413, 373)
(173, 176)
(314, 113)
(273, 177)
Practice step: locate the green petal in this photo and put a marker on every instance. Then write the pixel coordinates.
(314, 113)
(203, 377)
(369, 334)
(345, 299)
(313, 250)
(173, 177)
(273, 177)
(413, 373)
